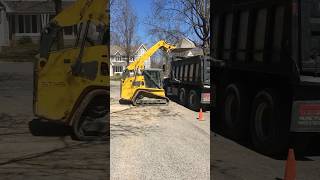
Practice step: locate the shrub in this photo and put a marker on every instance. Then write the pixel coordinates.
(116, 77)
(25, 40)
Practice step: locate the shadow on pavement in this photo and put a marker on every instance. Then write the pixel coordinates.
(311, 150)
(174, 99)
(38, 127)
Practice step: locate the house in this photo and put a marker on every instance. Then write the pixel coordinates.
(118, 59)
(186, 48)
(27, 18)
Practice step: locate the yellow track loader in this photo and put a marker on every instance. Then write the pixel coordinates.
(140, 86)
(71, 85)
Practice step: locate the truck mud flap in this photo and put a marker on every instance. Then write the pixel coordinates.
(305, 116)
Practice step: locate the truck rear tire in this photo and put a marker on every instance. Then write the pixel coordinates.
(182, 96)
(194, 100)
(269, 131)
(235, 111)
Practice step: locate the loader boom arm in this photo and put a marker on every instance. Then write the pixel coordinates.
(139, 63)
(83, 11)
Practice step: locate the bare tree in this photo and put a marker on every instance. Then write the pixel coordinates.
(124, 24)
(174, 19)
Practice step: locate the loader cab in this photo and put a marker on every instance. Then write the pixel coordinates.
(87, 34)
(152, 78)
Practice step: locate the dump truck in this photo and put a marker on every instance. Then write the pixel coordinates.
(71, 85)
(265, 71)
(189, 81)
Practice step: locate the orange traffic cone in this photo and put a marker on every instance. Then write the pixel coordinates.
(290, 172)
(200, 115)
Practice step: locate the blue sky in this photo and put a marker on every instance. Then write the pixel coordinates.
(142, 9)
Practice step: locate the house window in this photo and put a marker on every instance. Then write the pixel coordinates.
(68, 30)
(35, 24)
(27, 24)
(117, 69)
(21, 23)
(118, 58)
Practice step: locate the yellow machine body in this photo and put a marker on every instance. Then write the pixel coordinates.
(129, 89)
(58, 91)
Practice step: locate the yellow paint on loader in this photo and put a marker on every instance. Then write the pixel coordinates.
(134, 84)
(72, 84)
(58, 90)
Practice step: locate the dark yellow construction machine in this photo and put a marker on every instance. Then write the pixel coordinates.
(71, 85)
(140, 86)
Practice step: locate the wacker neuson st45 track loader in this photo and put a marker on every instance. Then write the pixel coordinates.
(140, 86)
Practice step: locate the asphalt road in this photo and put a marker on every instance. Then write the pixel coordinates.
(26, 157)
(232, 161)
(165, 142)
(158, 142)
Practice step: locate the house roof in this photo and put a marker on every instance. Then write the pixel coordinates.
(184, 44)
(35, 6)
(117, 49)
(137, 48)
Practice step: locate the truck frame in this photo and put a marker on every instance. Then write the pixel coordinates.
(265, 71)
(189, 81)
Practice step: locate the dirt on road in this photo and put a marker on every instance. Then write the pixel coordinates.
(27, 157)
(158, 142)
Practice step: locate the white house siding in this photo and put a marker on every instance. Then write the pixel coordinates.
(118, 59)
(28, 18)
